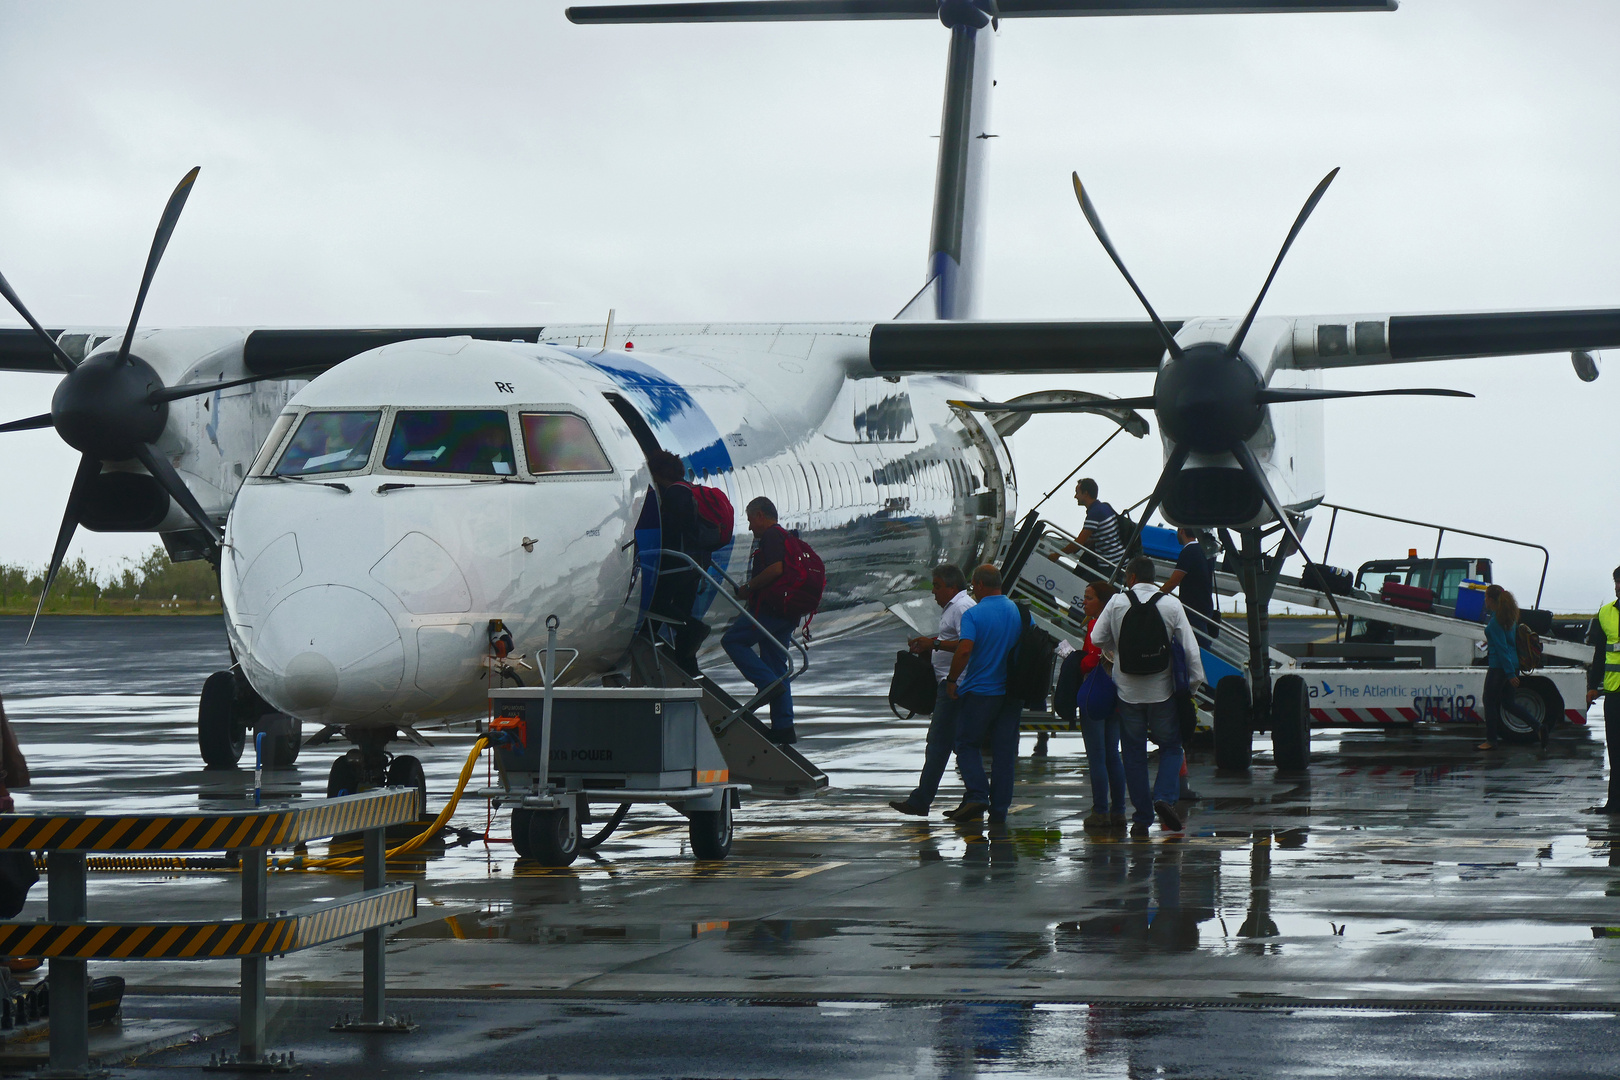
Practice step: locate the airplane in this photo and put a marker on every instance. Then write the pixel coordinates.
(374, 498)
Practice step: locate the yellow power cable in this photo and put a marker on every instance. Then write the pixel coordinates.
(297, 863)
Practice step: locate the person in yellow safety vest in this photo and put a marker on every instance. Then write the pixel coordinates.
(1603, 679)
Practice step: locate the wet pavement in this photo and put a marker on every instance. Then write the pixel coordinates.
(1408, 873)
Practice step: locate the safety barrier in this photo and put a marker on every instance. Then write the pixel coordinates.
(69, 940)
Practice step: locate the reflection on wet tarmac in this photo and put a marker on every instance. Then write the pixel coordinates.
(1403, 868)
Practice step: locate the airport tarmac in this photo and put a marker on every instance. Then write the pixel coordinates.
(1412, 892)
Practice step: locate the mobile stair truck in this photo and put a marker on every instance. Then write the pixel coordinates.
(1402, 656)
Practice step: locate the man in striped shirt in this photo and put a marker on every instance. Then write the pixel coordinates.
(1101, 532)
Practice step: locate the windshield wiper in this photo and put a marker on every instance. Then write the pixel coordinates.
(304, 480)
(383, 489)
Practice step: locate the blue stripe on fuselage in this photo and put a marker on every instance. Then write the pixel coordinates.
(674, 415)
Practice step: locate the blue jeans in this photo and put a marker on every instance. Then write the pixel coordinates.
(984, 719)
(767, 664)
(1103, 762)
(937, 754)
(1139, 721)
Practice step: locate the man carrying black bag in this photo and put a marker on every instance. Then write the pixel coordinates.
(950, 593)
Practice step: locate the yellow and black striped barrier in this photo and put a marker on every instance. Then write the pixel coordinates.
(289, 932)
(229, 830)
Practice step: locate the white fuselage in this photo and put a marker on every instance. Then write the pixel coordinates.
(362, 597)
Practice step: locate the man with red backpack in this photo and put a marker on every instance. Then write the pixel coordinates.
(785, 579)
(696, 521)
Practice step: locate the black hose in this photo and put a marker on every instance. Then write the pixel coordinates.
(607, 830)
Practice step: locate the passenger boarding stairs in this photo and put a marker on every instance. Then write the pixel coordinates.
(751, 757)
(1053, 583)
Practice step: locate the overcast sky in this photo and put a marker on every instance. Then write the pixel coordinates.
(489, 162)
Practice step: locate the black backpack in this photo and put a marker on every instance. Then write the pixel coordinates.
(1144, 640)
(1029, 668)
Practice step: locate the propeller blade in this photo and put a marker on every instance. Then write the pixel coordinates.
(175, 393)
(1102, 234)
(43, 420)
(1251, 467)
(1178, 458)
(164, 473)
(1299, 223)
(89, 469)
(63, 361)
(1055, 406)
(1280, 395)
(165, 229)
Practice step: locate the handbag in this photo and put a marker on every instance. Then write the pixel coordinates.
(913, 686)
(1178, 669)
(1098, 695)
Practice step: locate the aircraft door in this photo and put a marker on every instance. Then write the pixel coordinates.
(649, 529)
(998, 503)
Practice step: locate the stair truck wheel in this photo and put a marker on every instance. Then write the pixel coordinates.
(406, 771)
(554, 840)
(711, 832)
(1234, 727)
(220, 736)
(344, 777)
(283, 737)
(1291, 725)
(521, 823)
(1534, 699)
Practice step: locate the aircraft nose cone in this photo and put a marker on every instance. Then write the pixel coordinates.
(328, 653)
(310, 682)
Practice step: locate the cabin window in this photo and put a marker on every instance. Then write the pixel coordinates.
(476, 441)
(561, 443)
(329, 442)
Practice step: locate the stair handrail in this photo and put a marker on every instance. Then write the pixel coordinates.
(764, 693)
(1440, 536)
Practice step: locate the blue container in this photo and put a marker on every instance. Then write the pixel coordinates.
(1160, 543)
(1471, 601)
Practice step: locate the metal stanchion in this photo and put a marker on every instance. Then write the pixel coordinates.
(69, 978)
(374, 1015)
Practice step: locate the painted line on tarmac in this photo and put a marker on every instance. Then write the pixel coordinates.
(708, 871)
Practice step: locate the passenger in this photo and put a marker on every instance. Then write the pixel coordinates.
(678, 580)
(986, 714)
(1147, 707)
(1603, 680)
(1502, 654)
(1195, 578)
(950, 593)
(1101, 733)
(770, 663)
(1101, 533)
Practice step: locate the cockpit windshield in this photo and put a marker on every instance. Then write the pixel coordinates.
(328, 442)
(561, 443)
(476, 441)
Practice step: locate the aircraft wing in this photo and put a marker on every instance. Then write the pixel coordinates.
(1363, 341)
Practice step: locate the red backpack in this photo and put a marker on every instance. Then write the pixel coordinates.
(714, 509)
(797, 592)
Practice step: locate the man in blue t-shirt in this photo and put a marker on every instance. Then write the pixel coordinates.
(985, 712)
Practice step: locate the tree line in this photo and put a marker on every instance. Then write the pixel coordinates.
(149, 582)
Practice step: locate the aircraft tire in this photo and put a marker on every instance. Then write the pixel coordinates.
(1234, 727)
(283, 738)
(522, 821)
(406, 771)
(345, 777)
(220, 735)
(553, 841)
(711, 832)
(1291, 725)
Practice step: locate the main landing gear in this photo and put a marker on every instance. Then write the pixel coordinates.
(229, 710)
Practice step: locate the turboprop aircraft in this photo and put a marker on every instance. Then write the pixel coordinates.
(374, 498)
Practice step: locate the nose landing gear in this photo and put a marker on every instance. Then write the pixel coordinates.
(370, 765)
